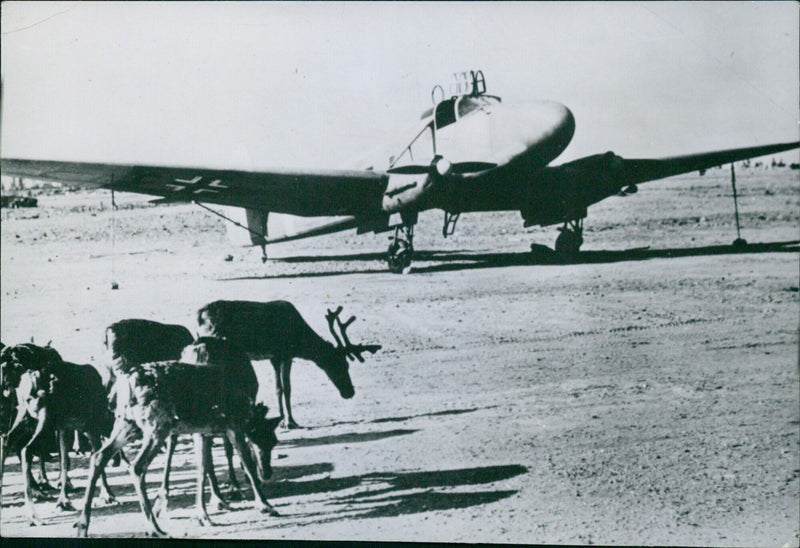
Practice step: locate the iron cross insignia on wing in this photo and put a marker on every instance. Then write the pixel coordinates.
(195, 186)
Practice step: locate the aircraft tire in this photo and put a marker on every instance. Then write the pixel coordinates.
(568, 245)
(399, 256)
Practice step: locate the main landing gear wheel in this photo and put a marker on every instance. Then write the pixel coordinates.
(401, 250)
(569, 241)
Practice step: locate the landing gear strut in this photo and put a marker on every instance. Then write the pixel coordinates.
(401, 250)
(568, 243)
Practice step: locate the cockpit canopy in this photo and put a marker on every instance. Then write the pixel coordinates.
(470, 95)
(450, 110)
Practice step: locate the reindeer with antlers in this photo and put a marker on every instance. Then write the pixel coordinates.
(276, 331)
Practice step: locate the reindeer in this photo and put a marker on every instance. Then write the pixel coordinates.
(64, 397)
(14, 361)
(276, 331)
(220, 352)
(133, 342)
(157, 400)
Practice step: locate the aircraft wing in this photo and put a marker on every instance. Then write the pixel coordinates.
(625, 171)
(640, 171)
(298, 192)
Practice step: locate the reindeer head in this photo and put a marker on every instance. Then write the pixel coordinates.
(261, 433)
(338, 368)
(15, 360)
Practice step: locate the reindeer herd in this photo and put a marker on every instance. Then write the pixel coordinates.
(159, 383)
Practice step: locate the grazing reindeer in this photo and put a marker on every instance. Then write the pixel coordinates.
(157, 400)
(64, 397)
(219, 352)
(276, 331)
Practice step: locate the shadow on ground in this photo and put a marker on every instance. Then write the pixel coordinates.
(538, 256)
(350, 437)
(385, 494)
(417, 416)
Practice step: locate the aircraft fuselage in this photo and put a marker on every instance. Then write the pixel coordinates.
(520, 138)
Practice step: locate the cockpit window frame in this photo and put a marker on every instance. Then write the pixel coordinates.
(446, 112)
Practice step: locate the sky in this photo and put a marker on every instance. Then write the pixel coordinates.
(321, 85)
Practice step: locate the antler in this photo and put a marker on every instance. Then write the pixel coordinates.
(331, 316)
(351, 350)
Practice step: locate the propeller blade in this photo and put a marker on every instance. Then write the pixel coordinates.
(459, 168)
(472, 167)
(409, 170)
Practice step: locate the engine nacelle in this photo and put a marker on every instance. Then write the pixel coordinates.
(405, 190)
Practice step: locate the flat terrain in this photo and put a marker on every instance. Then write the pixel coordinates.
(646, 395)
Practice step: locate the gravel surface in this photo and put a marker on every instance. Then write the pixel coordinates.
(648, 395)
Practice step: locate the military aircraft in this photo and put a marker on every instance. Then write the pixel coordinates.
(471, 152)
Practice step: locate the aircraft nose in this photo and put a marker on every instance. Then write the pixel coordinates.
(549, 127)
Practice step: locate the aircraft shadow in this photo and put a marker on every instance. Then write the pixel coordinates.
(538, 256)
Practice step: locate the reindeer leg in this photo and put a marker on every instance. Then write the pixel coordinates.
(216, 496)
(161, 502)
(150, 445)
(123, 432)
(12, 438)
(105, 490)
(43, 484)
(26, 458)
(277, 365)
(39, 489)
(236, 490)
(237, 438)
(286, 371)
(200, 444)
(63, 501)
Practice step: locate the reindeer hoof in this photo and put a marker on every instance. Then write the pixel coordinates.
(68, 487)
(65, 505)
(43, 486)
(270, 510)
(235, 494)
(290, 425)
(39, 494)
(220, 504)
(204, 521)
(82, 528)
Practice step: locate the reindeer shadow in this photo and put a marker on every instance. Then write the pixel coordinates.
(349, 437)
(417, 416)
(391, 494)
(378, 494)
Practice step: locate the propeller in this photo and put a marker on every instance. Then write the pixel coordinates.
(442, 168)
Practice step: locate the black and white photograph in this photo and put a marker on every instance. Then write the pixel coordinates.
(444, 272)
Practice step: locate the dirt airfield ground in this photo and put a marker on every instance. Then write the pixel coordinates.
(647, 395)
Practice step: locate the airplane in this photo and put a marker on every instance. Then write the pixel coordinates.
(471, 152)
